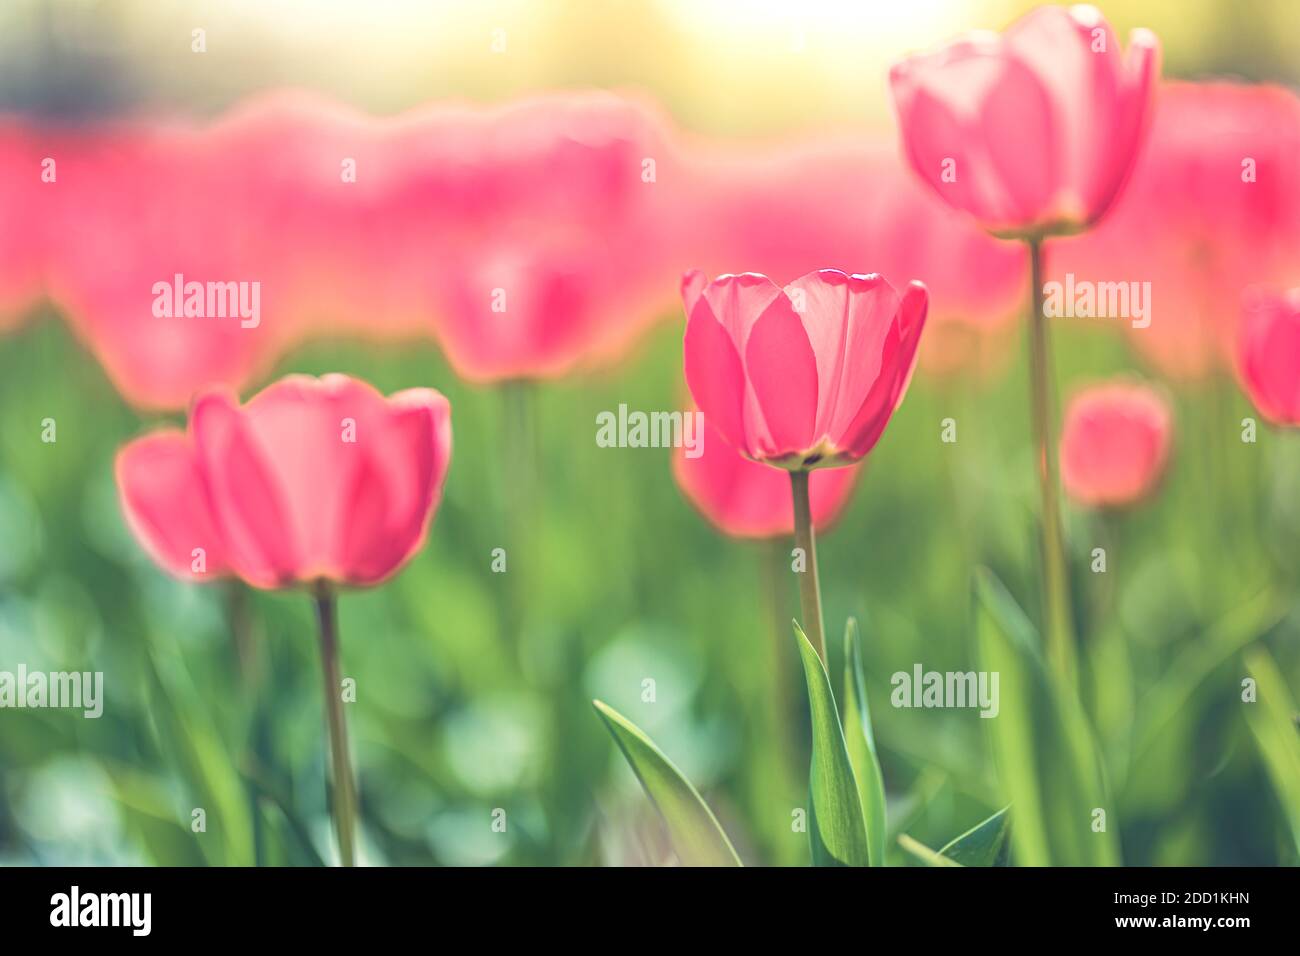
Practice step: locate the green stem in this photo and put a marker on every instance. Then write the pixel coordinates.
(344, 794)
(810, 592)
(1056, 587)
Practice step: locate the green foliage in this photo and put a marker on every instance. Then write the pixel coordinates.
(837, 829)
(1048, 764)
(474, 686)
(696, 834)
(861, 743)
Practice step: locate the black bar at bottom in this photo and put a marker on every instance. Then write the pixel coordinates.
(334, 906)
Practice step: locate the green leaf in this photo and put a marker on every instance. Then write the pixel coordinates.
(922, 853)
(1171, 696)
(861, 744)
(190, 739)
(837, 830)
(984, 844)
(1048, 765)
(696, 835)
(1272, 721)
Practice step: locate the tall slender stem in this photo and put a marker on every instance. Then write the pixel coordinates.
(345, 801)
(1056, 587)
(810, 591)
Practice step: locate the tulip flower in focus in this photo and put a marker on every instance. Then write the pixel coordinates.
(1269, 356)
(745, 499)
(1115, 443)
(312, 482)
(801, 377)
(1033, 131)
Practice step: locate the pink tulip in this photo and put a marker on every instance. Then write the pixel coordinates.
(311, 480)
(543, 230)
(745, 499)
(22, 208)
(134, 207)
(801, 377)
(1115, 443)
(317, 190)
(1269, 356)
(1033, 131)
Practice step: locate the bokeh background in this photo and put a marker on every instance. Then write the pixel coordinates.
(474, 688)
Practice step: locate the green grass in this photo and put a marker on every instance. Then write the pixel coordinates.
(475, 688)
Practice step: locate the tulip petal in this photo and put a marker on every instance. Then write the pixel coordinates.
(714, 373)
(166, 505)
(939, 133)
(397, 486)
(1269, 356)
(1134, 116)
(846, 318)
(1076, 56)
(1022, 138)
(782, 371)
(694, 283)
(248, 504)
(898, 358)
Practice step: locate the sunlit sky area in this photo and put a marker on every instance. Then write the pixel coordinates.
(725, 66)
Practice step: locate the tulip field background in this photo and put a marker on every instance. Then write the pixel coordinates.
(475, 688)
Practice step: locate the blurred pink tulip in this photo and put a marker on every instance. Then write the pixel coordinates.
(1115, 443)
(317, 191)
(1033, 131)
(1212, 210)
(1269, 356)
(529, 238)
(745, 499)
(545, 230)
(806, 376)
(310, 480)
(22, 213)
(134, 208)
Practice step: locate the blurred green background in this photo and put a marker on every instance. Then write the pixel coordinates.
(474, 688)
(465, 705)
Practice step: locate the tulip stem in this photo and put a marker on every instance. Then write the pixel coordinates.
(810, 592)
(344, 795)
(1059, 626)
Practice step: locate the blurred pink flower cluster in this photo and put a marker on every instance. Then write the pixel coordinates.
(542, 236)
(528, 239)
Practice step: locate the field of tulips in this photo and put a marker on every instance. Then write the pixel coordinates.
(549, 480)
